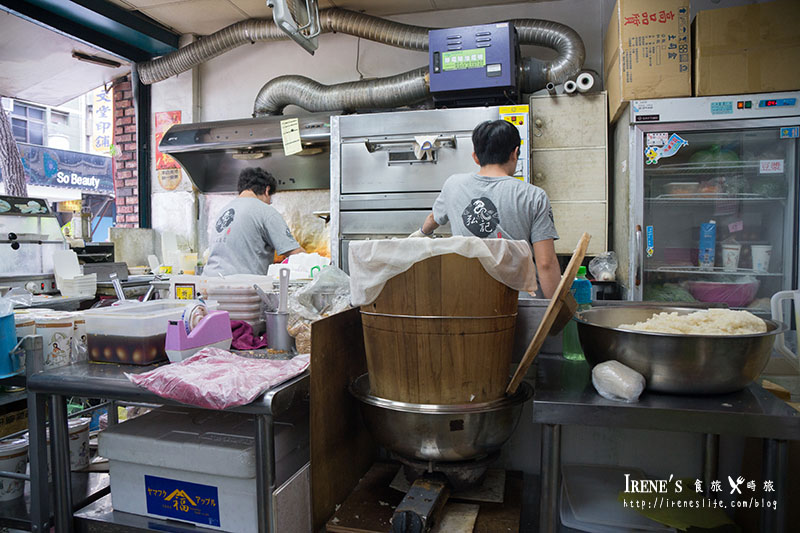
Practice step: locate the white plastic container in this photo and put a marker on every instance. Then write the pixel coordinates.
(761, 253)
(79, 346)
(56, 330)
(79, 453)
(24, 324)
(79, 443)
(730, 256)
(205, 461)
(13, 458)
(133, 333)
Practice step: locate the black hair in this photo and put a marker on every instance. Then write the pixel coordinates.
(257, 180)
(495, 141)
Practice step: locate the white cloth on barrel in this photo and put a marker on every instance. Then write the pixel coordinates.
(372, 263)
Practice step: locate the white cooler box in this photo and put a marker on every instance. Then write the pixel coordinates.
(198, 466)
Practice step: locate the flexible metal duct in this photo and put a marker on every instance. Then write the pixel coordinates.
(393, 91)
(531, 31)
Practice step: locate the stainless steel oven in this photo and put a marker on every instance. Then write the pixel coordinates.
(381, 185)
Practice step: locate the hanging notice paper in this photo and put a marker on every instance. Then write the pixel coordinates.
(290, 133)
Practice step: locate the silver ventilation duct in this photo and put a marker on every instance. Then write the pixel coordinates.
(531, 31)
(393, 91)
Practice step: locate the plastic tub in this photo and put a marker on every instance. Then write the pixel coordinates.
(733, 294)
(24, 324)
(13, 458)
(134, 333)
(56, 330)
(240, 308)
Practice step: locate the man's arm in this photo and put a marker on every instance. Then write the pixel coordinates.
(430, 225)
(295, 251)
(544, 253)
(427, 228)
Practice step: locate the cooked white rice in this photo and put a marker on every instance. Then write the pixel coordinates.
(708, 322)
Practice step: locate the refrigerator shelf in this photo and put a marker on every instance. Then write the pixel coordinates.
(718, 271)
(700, 169)
(712, 197)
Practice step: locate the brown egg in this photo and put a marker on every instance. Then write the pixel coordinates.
(95, 353)
(122, 354)
(138, 356)
(108, 353)
(152, 353)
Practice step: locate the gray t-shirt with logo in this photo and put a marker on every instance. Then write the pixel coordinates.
(245, 237)
(488, 207)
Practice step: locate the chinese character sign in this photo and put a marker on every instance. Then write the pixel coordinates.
(163, 120)
(102, 121)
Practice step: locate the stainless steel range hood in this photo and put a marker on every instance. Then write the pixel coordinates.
(213, 153)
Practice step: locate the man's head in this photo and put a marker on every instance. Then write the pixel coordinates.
(495, 142)
(259, 182)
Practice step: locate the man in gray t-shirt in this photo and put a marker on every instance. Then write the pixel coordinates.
(492, 204)
(249, 231)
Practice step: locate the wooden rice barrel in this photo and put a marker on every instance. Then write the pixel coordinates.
(441, 333)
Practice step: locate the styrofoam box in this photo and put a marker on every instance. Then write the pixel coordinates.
(199, 466)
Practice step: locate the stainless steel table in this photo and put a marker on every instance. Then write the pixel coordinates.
(564, 395)
(108, 381)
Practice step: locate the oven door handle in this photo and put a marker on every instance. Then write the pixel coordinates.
(442, 141)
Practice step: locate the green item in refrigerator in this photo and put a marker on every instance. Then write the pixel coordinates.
(667, 292)
(715, 154)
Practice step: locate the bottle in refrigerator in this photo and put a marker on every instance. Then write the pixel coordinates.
(582, 291)
(708, 244)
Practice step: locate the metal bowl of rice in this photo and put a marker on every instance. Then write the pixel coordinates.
(679, 363)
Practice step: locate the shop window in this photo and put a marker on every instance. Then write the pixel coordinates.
(60, 118)
(27, 123)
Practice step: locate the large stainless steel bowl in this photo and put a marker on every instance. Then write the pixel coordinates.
(440, 432)
(683, 364)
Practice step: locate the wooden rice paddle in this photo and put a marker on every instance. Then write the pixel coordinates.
(562, 300)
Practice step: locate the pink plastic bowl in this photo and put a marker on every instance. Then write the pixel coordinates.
(733, 294)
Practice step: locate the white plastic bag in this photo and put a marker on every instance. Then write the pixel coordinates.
(604, 266)
(327, 294)
(615, 381)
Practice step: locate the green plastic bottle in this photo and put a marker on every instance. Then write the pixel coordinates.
(582, 291)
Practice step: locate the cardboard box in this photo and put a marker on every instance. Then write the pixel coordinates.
(747, 49)
(647, 52)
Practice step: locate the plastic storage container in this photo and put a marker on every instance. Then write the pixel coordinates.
(134, 333)
(56, 329)
(13, 458)
(206, 462)
(582, 291)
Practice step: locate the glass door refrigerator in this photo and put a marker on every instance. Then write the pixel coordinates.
(706, 199)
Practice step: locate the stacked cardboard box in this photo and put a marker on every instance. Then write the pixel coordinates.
(747, 49)
(647, 52)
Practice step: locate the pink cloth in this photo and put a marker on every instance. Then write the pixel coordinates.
(243, 337)
(217, 379)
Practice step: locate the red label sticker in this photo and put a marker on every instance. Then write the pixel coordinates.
(733, 227)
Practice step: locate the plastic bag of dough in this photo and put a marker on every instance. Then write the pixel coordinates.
(615, 381)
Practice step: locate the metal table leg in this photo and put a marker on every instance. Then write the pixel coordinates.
(775, 469)
(710, 461)
(37, 453)
(550, 465)
(265, 474)
(37, 442)
(113, 414)
(59, 451)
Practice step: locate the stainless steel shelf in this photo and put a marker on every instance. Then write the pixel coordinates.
(86, 488)
(716, 272)
(11, 397)
(7, 241)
